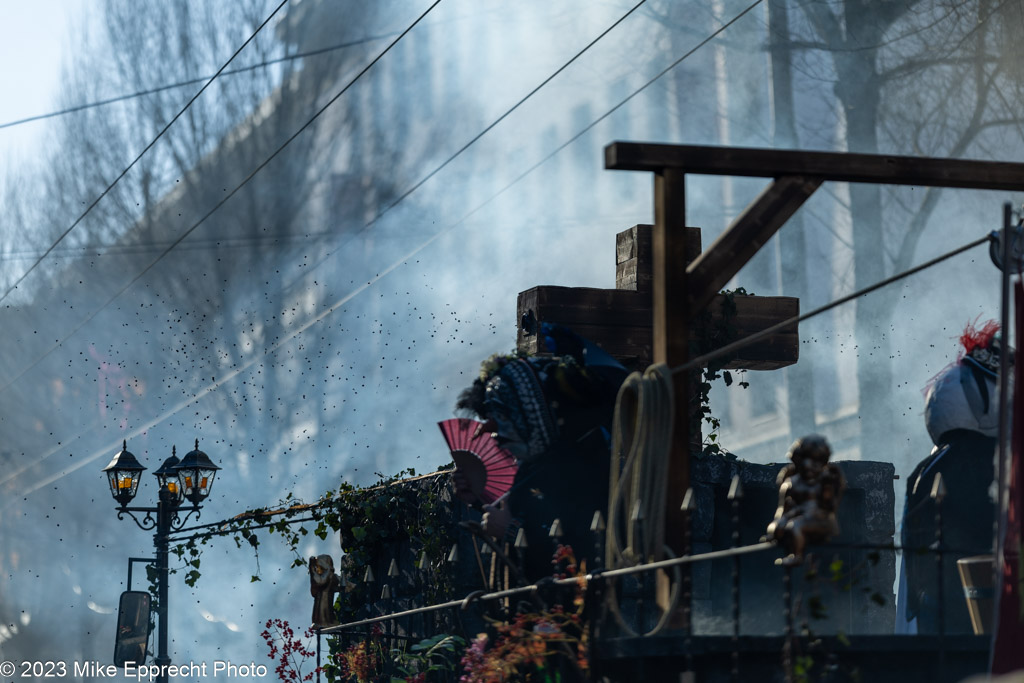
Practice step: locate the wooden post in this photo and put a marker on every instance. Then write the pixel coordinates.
(672, 331)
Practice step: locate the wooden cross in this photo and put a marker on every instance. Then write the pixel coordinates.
(620, 320)
(629, 322)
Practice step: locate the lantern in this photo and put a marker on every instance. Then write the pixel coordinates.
(167, 476)
(195, 475)
(123, 473)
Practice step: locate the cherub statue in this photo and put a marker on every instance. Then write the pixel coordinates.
(323, 585)
(809, 491)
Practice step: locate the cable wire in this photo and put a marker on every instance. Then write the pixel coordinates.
(586, 129)
(574, 581)
(718, 353)
(372, 221)
(778, 327)
(193, 81)
(213, 386)
(140, 155)
(501, 118)
(219, 204)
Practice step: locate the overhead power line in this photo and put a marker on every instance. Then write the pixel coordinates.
(227, 196)
(286, 338)
(372, 221)
(193, 81)
(143, 152)
(447, 161)
(586, 129)
(501, 118)
(735, 346)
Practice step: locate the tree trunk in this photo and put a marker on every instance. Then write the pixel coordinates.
(858, 89)
(792, 245)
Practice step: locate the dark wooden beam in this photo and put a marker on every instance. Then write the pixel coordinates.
(671, 333)
(619, 321)
(712, 269)
(841, 166)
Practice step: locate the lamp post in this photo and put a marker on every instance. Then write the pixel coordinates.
(190, 478)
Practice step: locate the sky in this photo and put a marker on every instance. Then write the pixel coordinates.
(34, 39)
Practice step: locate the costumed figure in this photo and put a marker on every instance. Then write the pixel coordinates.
(810, 488)
(962, 417)
(324, 584)
(553, 414)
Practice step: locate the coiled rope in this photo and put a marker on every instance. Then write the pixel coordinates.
(641, 441)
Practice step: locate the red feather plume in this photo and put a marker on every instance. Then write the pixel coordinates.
(974, 337)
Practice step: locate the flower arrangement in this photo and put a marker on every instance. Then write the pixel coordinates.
(430, 660)
(360, 662)
(547, 646)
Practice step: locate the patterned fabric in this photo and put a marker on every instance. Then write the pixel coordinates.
(515, 400)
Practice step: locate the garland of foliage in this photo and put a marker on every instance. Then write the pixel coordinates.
(401, 510)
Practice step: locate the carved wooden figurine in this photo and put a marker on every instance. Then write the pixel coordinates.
(324, 584)
(810, 488)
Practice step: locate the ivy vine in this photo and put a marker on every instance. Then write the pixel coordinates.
(716, 332)
(403, 513)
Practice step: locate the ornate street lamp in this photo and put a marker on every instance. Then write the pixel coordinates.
(167, 476)
(190, 478)
(195, 475)
(123, 473)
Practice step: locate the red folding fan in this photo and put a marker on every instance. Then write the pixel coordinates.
(489, 469)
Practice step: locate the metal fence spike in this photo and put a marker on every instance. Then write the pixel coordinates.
(735, 488)
(424, 562)
(638, 512)
(689, 502)
(597, 524)
(453, 556)
(386, 593)
(393, 568)
(486, 549)
(938, 488)
(556, 529)
(520, 541)
(368, 577)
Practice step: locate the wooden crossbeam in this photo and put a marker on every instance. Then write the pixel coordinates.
(839, 166)
(619, 321)
(712, 269)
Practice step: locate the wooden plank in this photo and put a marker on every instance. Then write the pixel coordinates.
(634, 269)
(632, 242)
(629, 337)
(711, 270)
(584, 305)
(840, 166)
(633, 259)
